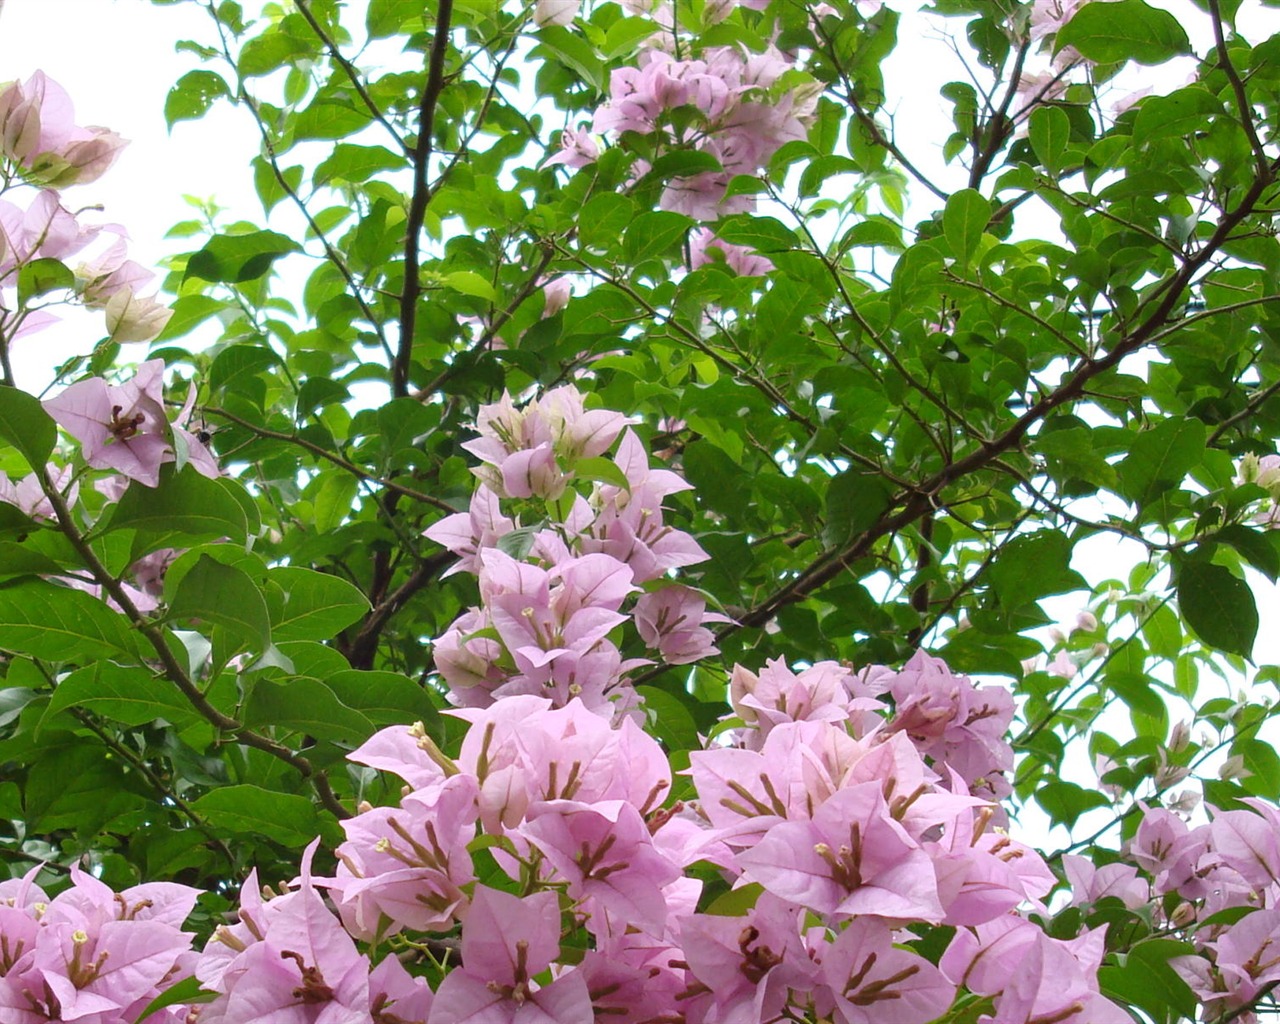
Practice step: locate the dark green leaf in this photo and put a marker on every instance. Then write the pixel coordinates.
(1049, 131)
(307, 706)
(1064, 802)
(185, 507)
(654, 234)
(237, 258)
(25, 425)
(1160, 458)
(1218, 606)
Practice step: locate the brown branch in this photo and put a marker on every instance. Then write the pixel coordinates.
(352, 73)
(412, 287)
(911, 504)
(365, 644)
(1261, 162)
(173, 669)
(337, 460)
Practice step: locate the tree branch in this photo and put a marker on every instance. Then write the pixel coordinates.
(412, 287)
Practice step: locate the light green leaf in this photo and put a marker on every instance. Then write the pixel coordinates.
(252, 811)
(307, 706)
(1218, 606)
(1108, 33)
(963, 221)
(1049, 131)
(317, 605)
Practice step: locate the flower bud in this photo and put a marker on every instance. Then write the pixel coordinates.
(1183, 914)
(1086, 621)
(1179, 737)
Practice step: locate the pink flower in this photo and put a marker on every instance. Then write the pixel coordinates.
(506, 941)
(671, 620)
(577, 149)
(29, 497)
(869, 980)
(124, 427)
(705, 248)
(555, 12)
(37, 129)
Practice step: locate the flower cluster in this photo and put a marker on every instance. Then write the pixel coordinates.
(827, 806)
(91, 954)
(729, 104)
(42, 146)
(545, 621)
(1230, 864)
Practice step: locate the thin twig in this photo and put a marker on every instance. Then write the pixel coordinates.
(337, 460)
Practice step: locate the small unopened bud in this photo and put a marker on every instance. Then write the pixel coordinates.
(1233, 768)
(1179, 737)
(1056, 635)
(1086, 621)
(1183, 914)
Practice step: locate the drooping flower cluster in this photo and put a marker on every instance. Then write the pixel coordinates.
(91, 954)
(545, 619)
(41, 146)
(728, 104)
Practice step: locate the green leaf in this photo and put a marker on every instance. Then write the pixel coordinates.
(192, 96)
(1110, 33)
(1064, 802)
(1218, 606)
(854, 501)
(317, 605)
(60, 624)
(1049, 132)
(1033, 566)
(654, 234)
(187, 990)
(1143, 978)
(190, 311)
(1179, 114)
(325, 120)
(238, 364)
(468, 282)
(186, 507)
(963, 221)
(224, 595)
(234, 259)
(128, 695)
(252, 811)
(265, 53)
(42, 276)
(333, 500)
(672, 723)
(307, 706)
(1254, 547)
(603, 471)
(355, 164)
(387, 698)
(25, 425)
(20, 560)
(573, 52)
(1160, 458)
